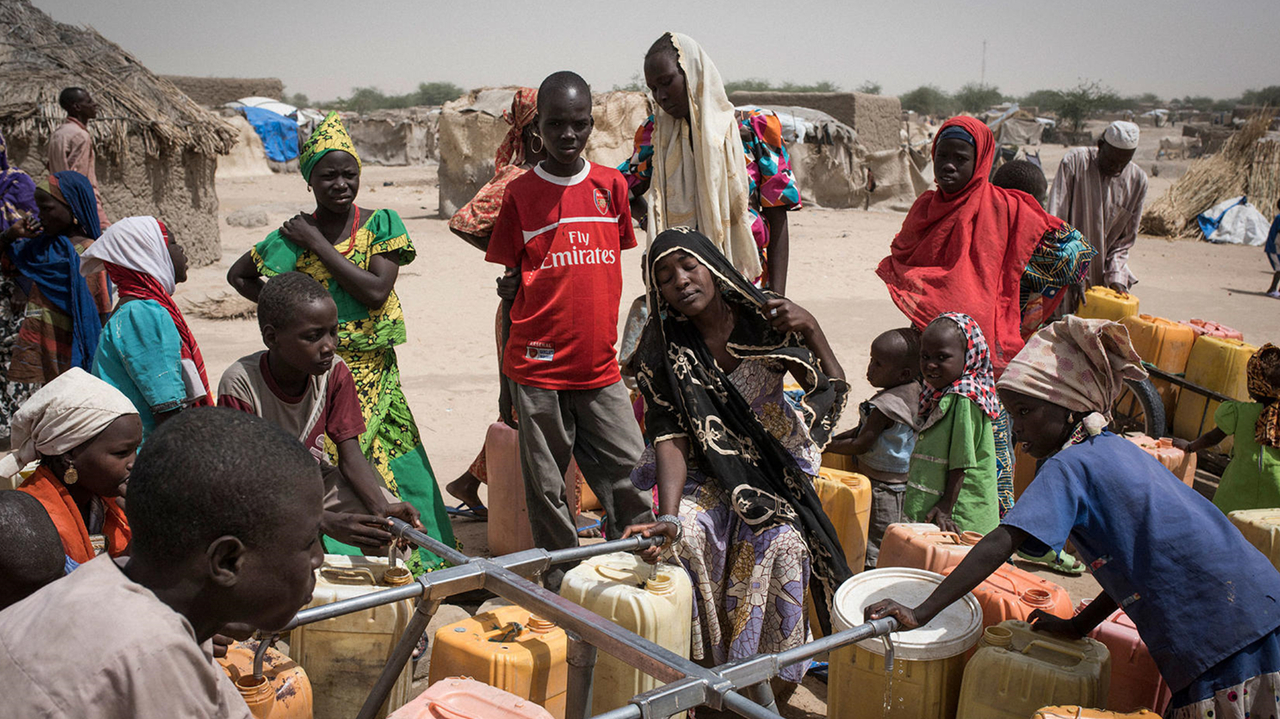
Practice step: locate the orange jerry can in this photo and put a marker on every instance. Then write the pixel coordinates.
(1182, 464)
(1136, 682)
(1012, 593)
(508, 525)
(924, 546)
(283, 692)
(1165, 344)
(463, 698)
(510, 649)
(1214, 329)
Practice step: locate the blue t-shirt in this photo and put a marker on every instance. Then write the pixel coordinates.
(1195, 589)
(892, 451)
(1270, 247)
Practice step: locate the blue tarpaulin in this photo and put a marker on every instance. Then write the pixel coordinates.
(279, 134)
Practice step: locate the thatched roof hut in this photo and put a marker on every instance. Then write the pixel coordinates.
(156, 149)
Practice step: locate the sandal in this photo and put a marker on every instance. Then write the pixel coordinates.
(1060, 562)
(591, 531)
(478, 511)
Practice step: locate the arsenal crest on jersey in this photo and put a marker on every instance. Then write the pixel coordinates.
(602, 200)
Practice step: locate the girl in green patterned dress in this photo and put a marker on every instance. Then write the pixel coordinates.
(356, 254)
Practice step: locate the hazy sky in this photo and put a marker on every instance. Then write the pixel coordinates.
(324, 48)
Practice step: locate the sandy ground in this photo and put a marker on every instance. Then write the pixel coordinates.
(448, 365)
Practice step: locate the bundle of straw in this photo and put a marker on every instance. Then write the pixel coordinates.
(1263, 183)
(1207, 182)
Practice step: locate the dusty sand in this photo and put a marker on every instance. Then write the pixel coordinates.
(448, 365)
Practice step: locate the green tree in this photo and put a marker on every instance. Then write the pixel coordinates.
(1084, 100)
(1042, 100)
(752, 84)
(1268, 96)
(927, 100)
(755, 84)
(974, 97)
(635, 84)
(436, 93)
(1225, 104)
(869, 87)
(1199, 103)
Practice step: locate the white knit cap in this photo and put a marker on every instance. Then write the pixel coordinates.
(1121, 135)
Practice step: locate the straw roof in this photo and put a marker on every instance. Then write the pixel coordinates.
(1247, 165)
(39, 57)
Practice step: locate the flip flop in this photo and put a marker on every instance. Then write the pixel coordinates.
(468, 512)
(1060, 562)
(818, 670)
(591, 529)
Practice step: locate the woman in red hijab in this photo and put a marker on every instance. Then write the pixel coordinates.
(965, 247)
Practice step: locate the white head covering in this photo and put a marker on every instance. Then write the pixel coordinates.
(705, 187)
(1121, 135)
(136, 243)
(72, 409)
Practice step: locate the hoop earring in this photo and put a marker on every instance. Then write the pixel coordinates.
(71, 476)
(541, 145)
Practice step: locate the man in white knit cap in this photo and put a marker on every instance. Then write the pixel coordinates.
(1100, 192)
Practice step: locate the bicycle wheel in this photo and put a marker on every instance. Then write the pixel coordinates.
(1139, 409)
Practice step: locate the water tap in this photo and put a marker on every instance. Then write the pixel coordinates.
(888, 653)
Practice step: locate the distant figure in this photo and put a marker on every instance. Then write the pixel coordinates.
(1101, 193)
(71, 145)
(17, 191)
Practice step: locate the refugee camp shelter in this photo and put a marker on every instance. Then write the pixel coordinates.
(156, 149)
(876, 118)
(471, 128)
(395, 137)
(218, 91)
(833, 169)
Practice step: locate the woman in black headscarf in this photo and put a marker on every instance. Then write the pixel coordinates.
(733, 459)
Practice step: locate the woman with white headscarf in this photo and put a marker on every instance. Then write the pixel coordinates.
(703, 165)
(146, 349)
(1206, 603)
(85, 434)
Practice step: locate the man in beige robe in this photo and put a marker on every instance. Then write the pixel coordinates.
(1100, 192)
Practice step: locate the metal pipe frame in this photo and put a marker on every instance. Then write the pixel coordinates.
(686, 684)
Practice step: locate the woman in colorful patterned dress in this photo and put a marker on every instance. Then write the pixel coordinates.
(356, 254)
(703, 165)
(732, 458)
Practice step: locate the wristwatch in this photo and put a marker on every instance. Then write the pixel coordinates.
(673, 519)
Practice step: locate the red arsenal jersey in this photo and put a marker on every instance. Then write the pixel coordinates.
(566, 234)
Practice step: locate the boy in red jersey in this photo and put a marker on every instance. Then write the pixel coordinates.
(565, 225)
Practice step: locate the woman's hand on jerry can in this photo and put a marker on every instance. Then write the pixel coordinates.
(653, 529)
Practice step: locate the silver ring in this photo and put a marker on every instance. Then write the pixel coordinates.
(773, 312)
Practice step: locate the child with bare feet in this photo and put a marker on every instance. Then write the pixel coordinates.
(882, 442)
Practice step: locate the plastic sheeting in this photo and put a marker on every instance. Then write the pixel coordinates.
(1234, 222)
(279, 134)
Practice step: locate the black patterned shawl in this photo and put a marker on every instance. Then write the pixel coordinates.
(687, 394)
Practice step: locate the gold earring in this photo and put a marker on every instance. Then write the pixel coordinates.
(71, 476)
(541, 144)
